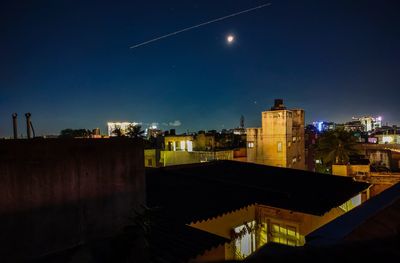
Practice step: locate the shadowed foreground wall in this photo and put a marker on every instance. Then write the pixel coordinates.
(55, 194)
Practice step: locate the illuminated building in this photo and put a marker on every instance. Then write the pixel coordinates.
(354, 126)
(370, 123)
(250, 205)
(240, 130)
(178, 142)
(322, 126)
(388, 138)
(205, 141)
(367, 232)
(280, 140)
(95, 133)
(149, 132)
(111, 126)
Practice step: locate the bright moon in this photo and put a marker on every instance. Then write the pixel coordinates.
(230, 39)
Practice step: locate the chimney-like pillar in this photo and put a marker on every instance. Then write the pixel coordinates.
(15, 125)
(28, 125)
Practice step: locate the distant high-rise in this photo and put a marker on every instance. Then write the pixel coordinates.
(280, 140)
(370, 123)
(240, 130)
(112, 126)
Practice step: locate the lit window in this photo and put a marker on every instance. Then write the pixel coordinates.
(352, 203)
(289, 144)
(279, 146)
(182, 145)
(189, 146)
(287, 235)
(250, 144)
(294, 139)
(245, 240)
(294, 160)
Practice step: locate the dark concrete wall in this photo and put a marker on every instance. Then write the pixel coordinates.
(55, 194)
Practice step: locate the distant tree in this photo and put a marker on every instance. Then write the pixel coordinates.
(134, 131)
(74, 133)
(118, 131)
(336, 147)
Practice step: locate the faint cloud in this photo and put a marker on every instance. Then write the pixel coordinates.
(175, 123)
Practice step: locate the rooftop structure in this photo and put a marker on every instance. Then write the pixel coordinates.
(226, 197)
(280, 140)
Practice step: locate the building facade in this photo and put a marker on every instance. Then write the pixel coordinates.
(123, 126)
(370, 123)
(280, 140)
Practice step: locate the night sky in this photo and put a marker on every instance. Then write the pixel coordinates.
(70, 65)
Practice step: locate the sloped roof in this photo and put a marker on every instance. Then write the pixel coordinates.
(199, 192)
(377, 218)
(172, 241)
(371, 230)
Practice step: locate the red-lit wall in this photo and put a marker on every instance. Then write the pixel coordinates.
(55, 194)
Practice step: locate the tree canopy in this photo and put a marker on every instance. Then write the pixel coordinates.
(74, 133)
(134, 131)
(336, 147)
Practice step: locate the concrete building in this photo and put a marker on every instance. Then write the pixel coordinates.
(388, 138)
(370, 231)
(310, 139)
(280, 140)
(370, 123)
(249, 205)
(111, 126)
(379, 180)
(353, 126)
(178, 142)
(56, 194)
(323, 126)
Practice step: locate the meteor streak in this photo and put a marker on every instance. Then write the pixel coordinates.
(199, 25)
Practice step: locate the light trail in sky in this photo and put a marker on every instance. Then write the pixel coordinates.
(199, 25)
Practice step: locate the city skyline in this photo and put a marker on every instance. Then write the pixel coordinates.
(70, 64)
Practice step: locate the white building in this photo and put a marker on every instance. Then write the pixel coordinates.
(111, 126)
(370, 123)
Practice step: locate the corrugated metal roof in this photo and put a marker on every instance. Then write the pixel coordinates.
(171, 241)
(199, 192)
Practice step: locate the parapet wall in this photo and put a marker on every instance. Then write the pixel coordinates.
(55, 194)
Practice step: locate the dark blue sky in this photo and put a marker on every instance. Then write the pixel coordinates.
(69, 62)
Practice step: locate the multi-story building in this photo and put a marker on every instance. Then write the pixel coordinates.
(353, 126)
(123, 126)
(370, 123)
(392, 137)
(280, 140)
(249, 205)
(322, 126)
(310, 140)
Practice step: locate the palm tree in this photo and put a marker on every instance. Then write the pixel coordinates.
(118, 131)
(336, 147)
(134, 131)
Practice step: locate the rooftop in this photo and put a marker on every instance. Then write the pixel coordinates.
(198, 192)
